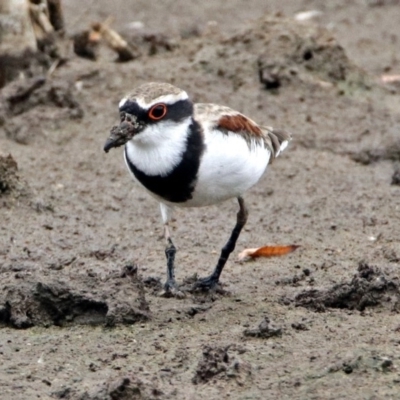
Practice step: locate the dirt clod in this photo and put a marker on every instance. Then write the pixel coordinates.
(299, 326)
(9, 179)
(362, 362)
(396, 176)
(215, 361)
(221, 363)
(125, 389)
(390, 151)
(265, 330)
(24, 105)
(369, 287)
(154, 284)
(56, 302)
(12, 187)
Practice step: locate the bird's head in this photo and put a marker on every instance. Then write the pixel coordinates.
(148, 110)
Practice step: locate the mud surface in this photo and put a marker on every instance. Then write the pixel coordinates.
(81, 250)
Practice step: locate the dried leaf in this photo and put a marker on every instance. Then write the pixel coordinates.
(266, 251)
(390, 78)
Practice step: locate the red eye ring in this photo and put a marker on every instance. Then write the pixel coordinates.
(157, 112)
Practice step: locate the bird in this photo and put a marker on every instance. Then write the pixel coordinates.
(187, 154)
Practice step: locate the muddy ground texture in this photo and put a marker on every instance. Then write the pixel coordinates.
(81, 249)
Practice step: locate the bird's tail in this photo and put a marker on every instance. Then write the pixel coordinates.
(277, 140)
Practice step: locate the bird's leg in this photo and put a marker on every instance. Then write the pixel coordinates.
(211, 281)
(170, 251)
(170, 286)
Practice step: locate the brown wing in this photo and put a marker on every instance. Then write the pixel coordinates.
(276, 140)
(239, 124)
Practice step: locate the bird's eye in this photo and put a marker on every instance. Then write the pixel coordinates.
(157, 112)
(122, 116)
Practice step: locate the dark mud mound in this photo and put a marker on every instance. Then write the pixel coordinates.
(25, 105)
(12, 187)
(370, 287)
(302, 52)
(389, 151)
(28, 63)
(119, 388)
(78, 299)
(396, 176)
(151, 42)
(361, 363)
(280, 52)
(222, 363)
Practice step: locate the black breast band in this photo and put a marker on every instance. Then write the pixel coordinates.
(178, 185)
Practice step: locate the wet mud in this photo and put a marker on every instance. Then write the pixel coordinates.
(82, 261)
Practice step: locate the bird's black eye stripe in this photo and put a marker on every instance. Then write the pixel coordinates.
(179, 110)
(173, 112)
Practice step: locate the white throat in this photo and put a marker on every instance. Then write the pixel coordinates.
(158, 149)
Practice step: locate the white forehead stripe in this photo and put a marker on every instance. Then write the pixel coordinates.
(122, 102)
(166, 99)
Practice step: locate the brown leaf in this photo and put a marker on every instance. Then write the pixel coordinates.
(390, 78)
(266, 251)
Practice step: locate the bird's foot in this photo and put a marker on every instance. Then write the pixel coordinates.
(208, 284)
(171, 289)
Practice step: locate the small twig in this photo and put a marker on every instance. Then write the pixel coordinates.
(53, 67)
(114, 40)
(39, 14)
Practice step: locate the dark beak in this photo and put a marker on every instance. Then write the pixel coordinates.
(120, 134)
